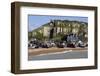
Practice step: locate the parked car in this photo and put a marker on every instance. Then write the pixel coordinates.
(71, 45)
(61, 45)
(81, 44)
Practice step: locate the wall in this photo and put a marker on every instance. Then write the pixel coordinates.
(5, 42)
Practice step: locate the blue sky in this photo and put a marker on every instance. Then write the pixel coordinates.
(35, 21)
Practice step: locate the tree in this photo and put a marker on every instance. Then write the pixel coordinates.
(29, 35)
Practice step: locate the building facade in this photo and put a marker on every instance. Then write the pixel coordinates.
(60, 27)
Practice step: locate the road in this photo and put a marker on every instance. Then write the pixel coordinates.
(38, 51)
(63, 55)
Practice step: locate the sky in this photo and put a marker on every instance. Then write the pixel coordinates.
(35, 21)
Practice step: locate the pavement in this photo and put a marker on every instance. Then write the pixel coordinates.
(38, 51)
(57, 53)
